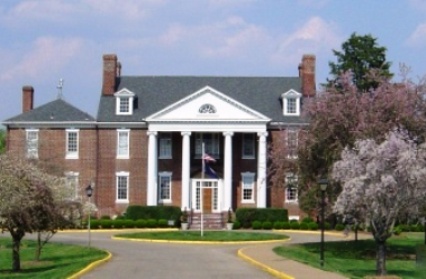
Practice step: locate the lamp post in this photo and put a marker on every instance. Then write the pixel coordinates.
(89, 192)
(323, 186)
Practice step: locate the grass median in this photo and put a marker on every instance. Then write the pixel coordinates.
(358, 259)
(208, 236)
(57, 260)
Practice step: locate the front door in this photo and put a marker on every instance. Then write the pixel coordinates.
(205, 195)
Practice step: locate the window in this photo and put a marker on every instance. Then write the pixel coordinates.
(248, 146)
(72, 144)
(123, 144)
(291, 103)
(124, 102)
(247, 187)
(211, 144)
(72, 188)
(207, 108)
(165, 146)
(122, 187)
(292, 143)
(32, 144)
(291, 186)
(165, 189)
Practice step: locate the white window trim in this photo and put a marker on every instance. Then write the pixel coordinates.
(72, 154)
(169, 137)
(127, 155)
(296, 180)
(291, 94)
(250, 175)
(76, 190)
(296, 132)
(244, 156)
(28, 154)
(168, 175)
(117, 175)
(124, 93)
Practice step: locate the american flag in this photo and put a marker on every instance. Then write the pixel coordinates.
(208, 158)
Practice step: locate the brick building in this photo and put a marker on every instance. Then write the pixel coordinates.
(146, 144)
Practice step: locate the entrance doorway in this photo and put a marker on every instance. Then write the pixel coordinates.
(205, 195)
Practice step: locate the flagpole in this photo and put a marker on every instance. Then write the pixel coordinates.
(201, 187)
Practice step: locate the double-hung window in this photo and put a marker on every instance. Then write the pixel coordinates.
(165, 189)
(123, 139)
(291, 103)
(248, 146)
(32, 144)
(124, 102)
(292, 143)
(247, 187)
(72, 144)
(122, 185)
(165, 146)
(72, 188)
(211, 144)
(291, 187)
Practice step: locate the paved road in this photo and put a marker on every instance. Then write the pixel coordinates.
(165, 260)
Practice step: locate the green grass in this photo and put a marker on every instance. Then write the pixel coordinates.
(212, 236)
(57, 260)
(358, 259)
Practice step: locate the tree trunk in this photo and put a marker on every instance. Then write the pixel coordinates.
(381, 257)
(16, 245)
(38, 248)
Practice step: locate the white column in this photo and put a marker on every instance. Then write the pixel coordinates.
(185, 169)
(261, 170)
(152, 190)
(228, 171)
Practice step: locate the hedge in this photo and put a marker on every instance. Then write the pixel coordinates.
(135, 212)
(246, 216)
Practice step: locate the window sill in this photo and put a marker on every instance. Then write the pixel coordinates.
(165, 157)
(247, 201)
(248, 157)
(71, 157)
(122, 201)
(292, 201)
(123, 157)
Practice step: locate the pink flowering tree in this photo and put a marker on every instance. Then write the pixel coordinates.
(380, 182)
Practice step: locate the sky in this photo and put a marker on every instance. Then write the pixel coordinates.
(43, 41)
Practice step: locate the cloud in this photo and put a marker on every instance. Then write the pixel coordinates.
(313, 3)
(47, 55)
(418, 5)
(315, 36)
(418, 37)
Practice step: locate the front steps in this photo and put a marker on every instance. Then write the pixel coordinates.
(212, 221)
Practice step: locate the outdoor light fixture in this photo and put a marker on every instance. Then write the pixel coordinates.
(89, 192)
(323, 183)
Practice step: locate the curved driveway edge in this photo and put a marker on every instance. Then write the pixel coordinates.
(91, 266)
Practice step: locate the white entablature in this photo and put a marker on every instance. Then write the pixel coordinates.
(207, 110)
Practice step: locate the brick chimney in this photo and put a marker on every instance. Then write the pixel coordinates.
(27, 98)
(110, 74)
(307, 75)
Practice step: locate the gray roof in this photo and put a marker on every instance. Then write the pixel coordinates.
(154, 93)
(55, 111)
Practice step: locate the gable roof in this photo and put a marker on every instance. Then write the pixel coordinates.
(154, 93)
(52, 112)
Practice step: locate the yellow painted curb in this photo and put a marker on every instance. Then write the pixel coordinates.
(312, 232)
(198, 242)
(268, 269)
(91, 266)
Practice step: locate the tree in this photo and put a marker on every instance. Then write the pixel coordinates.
(26, 201)
(380, 182)
(337, 120)
(363, 57)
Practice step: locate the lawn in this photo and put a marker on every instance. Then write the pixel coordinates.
(57, 260)
(357, 259)
(208, 236)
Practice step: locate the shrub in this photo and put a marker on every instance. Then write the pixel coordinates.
(405, 228)
(307, 220)
(237, 225)
(294, 225)
(327, 226)
(397, 230)
(293, 221)
(151, 223)
(278, 225)
(304, 226)
(141, 223)
(339, 227)
(118, 224)
(267, 225)
(257, 225)
(130, 224)
(162, 223)
(106, 224)
(136, 212)
(313, 226)
(95, 224)
(105, 217)
(247, 215)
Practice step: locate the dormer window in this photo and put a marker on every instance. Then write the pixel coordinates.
(124, 102)
(291, 103)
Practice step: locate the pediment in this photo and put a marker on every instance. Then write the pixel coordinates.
(291, 94)
(124, 93)
(207, 104)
